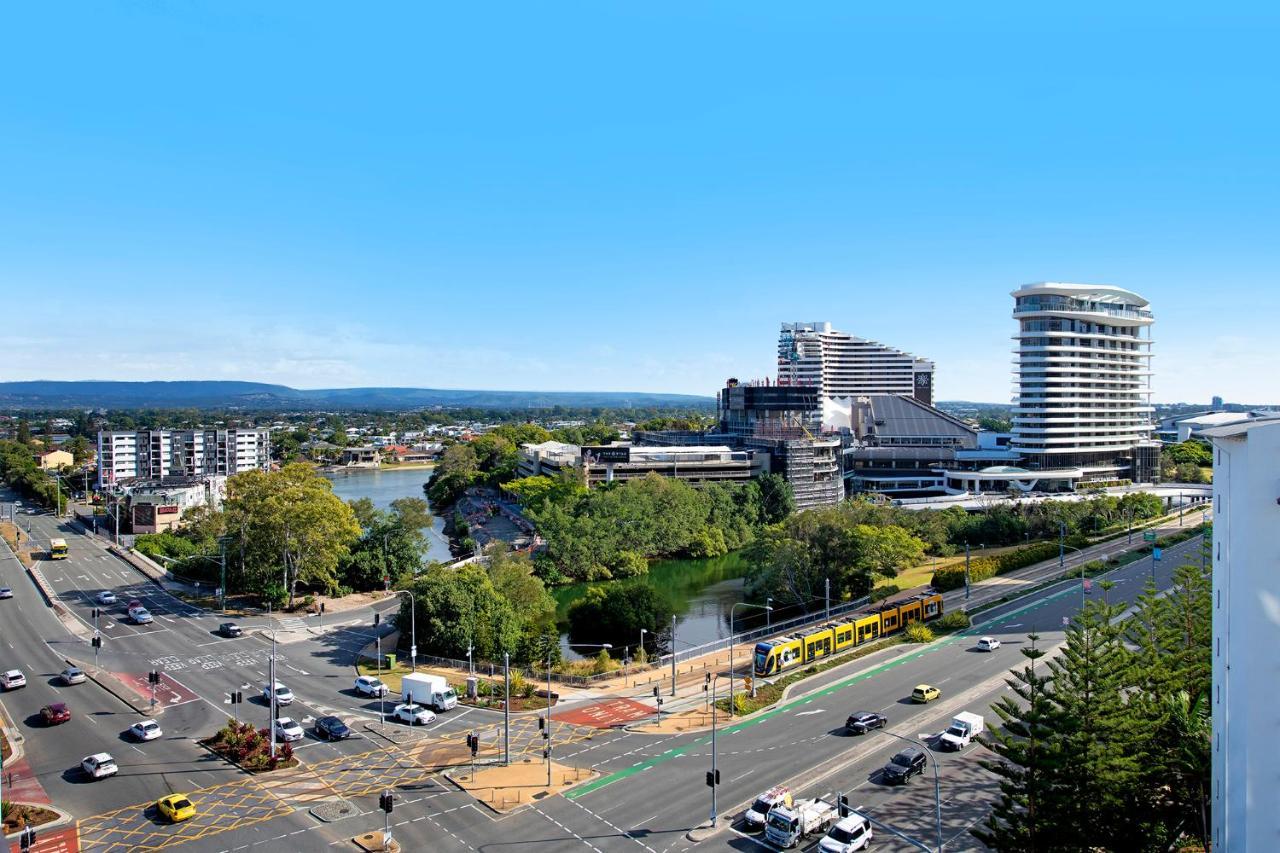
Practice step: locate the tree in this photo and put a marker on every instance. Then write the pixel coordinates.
(80, 450)
(882, 552)
(24, 432)
(776, 498)
(615, 613)
(365, 512)
(461, 607)
(512, 576)
(458, 469)
(411, 513)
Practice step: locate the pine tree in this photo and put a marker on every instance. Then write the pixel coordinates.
(1025, 817)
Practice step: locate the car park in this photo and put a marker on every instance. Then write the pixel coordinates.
(100, 765)
(905, 764)
(6, 592)
(141, 616)
(284, 696)
(145, 730)
(55, 714)
(368, 685)
(332, 728)
(988, 644)
(848, 835)
(414, 715)
(925, 693)
(176, 807)
(73, 675)
(230, 629)
(107, 597)
(287, 729)
(13, 679)
(861, 722)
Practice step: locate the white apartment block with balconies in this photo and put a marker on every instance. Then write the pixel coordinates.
(1083, 380)
(152, 455)
(842, 365)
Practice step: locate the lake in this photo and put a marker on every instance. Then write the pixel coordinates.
(382, 486)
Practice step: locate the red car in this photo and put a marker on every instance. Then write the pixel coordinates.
(56, 713)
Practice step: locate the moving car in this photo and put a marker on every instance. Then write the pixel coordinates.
(6, 592)
(287, 729)
(55, 714)
(141, 616)
(850, 834)
(925, 693)
(145, 730)
(861, 722)
(332, 728)
(284, 696)
(414, 715)
(100, 765)
(13, 679)
(107, 597)
(73, 675)
(988, 644)
(230, 629)
(176, 807)
(368, 685)
(907, 763)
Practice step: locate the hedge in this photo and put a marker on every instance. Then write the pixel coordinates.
(981, 568)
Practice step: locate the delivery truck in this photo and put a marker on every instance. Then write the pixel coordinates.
(430, 690)
(964, 727)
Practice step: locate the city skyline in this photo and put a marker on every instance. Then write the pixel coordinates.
(626, 198)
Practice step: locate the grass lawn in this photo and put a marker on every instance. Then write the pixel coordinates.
(921, 575)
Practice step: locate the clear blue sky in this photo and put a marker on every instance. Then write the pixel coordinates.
(626, 196)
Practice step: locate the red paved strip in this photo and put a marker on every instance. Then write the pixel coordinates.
(21, 785)
(603, 715)
(169, 691)
(55, 841)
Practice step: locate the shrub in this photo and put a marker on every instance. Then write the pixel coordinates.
(519, 684)
(882, 592)
(981, 568)
(918, 632)
(603, 663)
(955, 620)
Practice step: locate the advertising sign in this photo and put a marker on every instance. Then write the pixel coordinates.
(606, 455)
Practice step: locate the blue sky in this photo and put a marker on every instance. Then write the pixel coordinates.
(626, 196)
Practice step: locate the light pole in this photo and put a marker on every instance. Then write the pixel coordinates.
(272, 704)
(1082, 564)
(937, 786)
(768, 614)
(733, 607)
(714, 778)
(673, 652)
(413, 631)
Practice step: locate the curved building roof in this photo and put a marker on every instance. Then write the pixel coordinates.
(1096, 292)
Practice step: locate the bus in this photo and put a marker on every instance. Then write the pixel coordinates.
(57, 549)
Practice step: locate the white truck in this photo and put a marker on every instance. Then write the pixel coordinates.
(788, 824)
(430, 690)
(963, 729)
(758, 813)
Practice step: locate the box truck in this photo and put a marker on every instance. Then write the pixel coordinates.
(963, 729)
(430, 690)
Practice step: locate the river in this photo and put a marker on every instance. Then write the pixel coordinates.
(382, 486)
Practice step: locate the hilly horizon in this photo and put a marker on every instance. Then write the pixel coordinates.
(53, 394)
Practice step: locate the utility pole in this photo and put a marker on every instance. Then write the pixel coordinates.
(548, 718)
(966, 571)
(382, 702)
(1062, 542)
(272, 703)
(673, 654)
(826, 585)
(506, 708)
(768, 614)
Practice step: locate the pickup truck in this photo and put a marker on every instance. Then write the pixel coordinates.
(787, 825)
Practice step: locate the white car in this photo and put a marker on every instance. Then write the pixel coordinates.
(850, 834)
(100, 765)
(368, 685)
(414, 715)
(107, 597)
(284, 696)
(141, 616)
(13, 679)
(145, 730)
(288, 730)
(6, 592)
(73, 675)
(988, 644)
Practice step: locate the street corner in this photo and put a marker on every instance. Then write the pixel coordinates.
(169, 692)
(606, 714)
(505, 788)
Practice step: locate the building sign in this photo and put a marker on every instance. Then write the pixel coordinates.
(166, 510)
(606, 455)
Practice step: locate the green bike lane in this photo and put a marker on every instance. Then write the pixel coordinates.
(1003, 615)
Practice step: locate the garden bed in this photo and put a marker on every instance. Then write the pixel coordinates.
(249, 748)
(18, 816)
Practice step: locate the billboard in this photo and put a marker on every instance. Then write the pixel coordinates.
(606, 455)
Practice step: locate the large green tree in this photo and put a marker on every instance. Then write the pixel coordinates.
(615, 613)
(458, 608)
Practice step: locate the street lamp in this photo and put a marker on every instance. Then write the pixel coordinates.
(937, 787)
(767, 608)
(714, 778)
(413, 631)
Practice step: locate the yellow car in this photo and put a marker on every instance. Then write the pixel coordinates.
(176, 807)
(925, 693)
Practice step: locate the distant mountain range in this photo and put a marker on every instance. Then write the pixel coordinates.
(43, 394)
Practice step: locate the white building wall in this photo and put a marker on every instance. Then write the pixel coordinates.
(1246, 637)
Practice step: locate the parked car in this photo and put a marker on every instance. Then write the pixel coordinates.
(107, 597)
(850, 834)
(55, 714)
(287, 729)
(73, 675)
(230, 629)
(284, 696)
(332, 728)
(988, 644)
(13, 679)
(368, 685)
(141, 616)
(176, 807)
(907, 763)
(414, 715)
(6, 592)
(145, 730)
(925, 693)
(861, 722)
(100, 765)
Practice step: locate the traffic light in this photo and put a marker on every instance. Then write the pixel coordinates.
(377, 619)
(28, 839)
(322, 607)
(94, 613)
(386, 801)
(843, 805)
(713, 778)
(473, 743)
(153, 677)
(655, 691)
(97, 642)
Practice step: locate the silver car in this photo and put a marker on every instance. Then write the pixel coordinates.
(73, 675)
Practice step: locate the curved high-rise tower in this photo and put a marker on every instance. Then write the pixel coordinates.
(1083, 378)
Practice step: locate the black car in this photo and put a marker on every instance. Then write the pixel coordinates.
(907, 763)
(332, 728)
(861, 722)
(230, 629)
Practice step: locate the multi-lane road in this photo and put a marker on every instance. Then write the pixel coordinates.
(648, 792)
